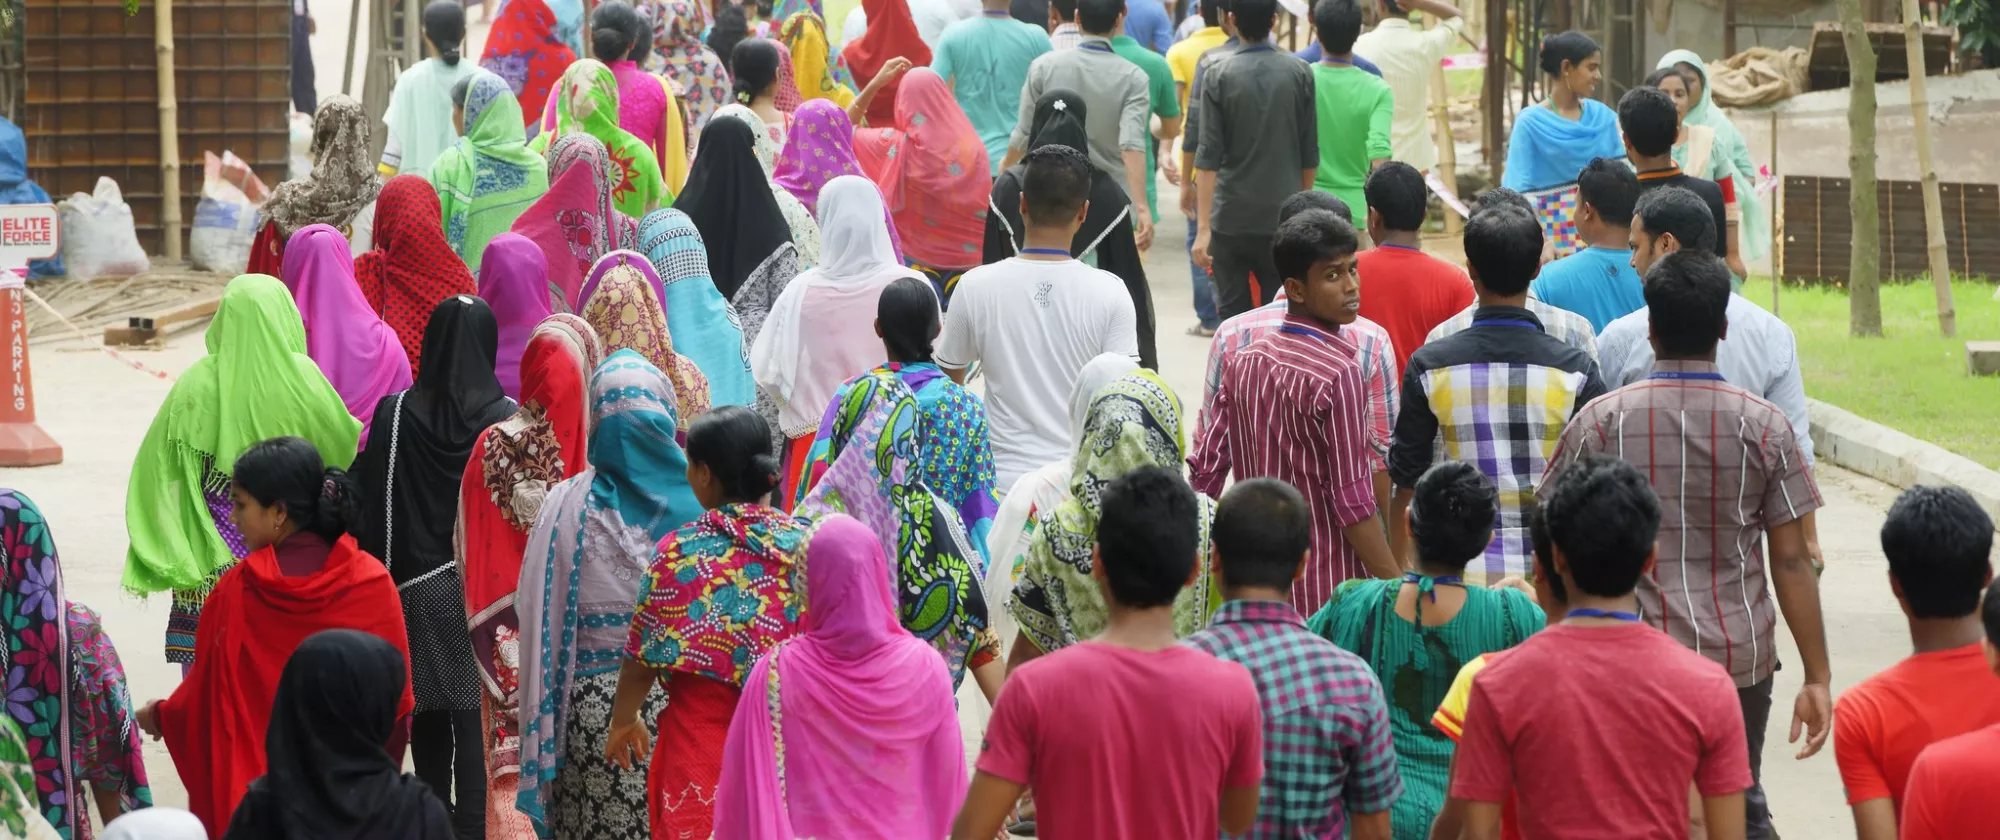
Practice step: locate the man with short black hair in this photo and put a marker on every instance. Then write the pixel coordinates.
(1354, 107)
(1650, 124)
(1581, 700)
(1727, 465)
(1116, 99)
(1085, 726)
(1259, 143)
(1329, 757)
(1938, 541)
(985, 59)
(1568, 327)
(1495, 395)
(1666, 220)
(1598, 282)
(1064, 34)
(1950, 792)
(1409, 292)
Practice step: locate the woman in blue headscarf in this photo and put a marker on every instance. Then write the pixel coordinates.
(1554, 139)
(705, 327)
(1754, 235)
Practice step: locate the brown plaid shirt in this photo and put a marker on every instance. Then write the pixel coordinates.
(1725, 467)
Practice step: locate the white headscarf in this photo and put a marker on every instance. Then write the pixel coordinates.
(1097, 373)
(156, 823)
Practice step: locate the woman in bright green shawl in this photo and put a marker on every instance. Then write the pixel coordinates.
(489, 177)
(255, 383)
(1729, 146)
(586, 100)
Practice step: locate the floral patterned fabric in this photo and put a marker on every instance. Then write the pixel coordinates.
(627, 316)
(722, 591)
(679, 55)
(19, 816)
(106, 751)
(36, 656)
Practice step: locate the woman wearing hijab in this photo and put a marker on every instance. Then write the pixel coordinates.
(340, 191)
(1104, 242)
(304, 574)
(720, 592)
(680, 56)
(514, 281)
(1133, 422)
(799, 221)
(586, 102)
(787, 98)
(576, 223)
(730, 200)
(412, 269)
(708, 330)
(329, 776)
(932, 168)
(410, 475)
(626, 314)
(524, 48)
(876, 476)
(255, 383)
(358, 352)
(1554, 139)
(820, 149)
(514, 463)
(816, 69)
(1755, 234)
(489, 177)
(419, 117)
(580, 577)
(86, 748)
(892, 34)
(853, 732)
(820, 333)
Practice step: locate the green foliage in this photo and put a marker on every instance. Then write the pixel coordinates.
(1978, 24)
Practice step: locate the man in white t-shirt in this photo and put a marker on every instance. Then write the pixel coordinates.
(1033, 321)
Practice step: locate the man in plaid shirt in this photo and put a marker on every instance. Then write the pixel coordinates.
(1329, 763)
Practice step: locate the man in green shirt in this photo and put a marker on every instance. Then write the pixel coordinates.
(1355, 107)
(1166, 104)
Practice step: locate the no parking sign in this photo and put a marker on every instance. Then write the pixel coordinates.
(27, 232)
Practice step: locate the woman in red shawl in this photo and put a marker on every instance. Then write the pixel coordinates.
(412, 268)
(931, 166)
(522, 48)
(892, 33)
(514, 463)
(304, 574)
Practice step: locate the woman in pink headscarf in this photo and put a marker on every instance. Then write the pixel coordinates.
(931, 166)
(514, 282)
(819, 149)
(869, 734)
(577, 221)
(357, 351)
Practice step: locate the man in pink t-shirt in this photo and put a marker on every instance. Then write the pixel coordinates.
(1598, 724)
(1130, 734)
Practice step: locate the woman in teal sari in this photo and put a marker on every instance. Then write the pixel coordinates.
(1755, 233)
(704, 326)
(1416, 631)
(489, 178)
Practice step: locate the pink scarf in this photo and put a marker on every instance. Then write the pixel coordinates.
(871, 743)
(933, 172)
(357, 351)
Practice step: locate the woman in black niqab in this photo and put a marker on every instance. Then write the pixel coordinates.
(328, 775)
(729, 198)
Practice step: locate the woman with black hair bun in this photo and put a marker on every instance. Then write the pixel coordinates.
(1556, 138)
(647, 106)
(419, 113)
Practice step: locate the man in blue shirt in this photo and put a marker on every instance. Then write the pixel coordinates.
(1147, 22)
(985, 59)
(1598, 282)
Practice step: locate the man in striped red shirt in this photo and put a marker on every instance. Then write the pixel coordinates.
(1294, 406)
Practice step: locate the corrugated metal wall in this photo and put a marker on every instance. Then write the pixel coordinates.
(1819, 231)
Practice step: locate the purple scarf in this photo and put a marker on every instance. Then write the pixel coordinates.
(819, 149)
(359, 354)
(514, 281)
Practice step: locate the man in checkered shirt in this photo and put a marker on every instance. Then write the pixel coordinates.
(1329, 761)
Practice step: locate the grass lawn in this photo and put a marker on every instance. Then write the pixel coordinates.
(1911, 379)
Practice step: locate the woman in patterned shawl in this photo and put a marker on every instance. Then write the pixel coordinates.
(576, 223)
(1133, 422)
(490, 177)
(876, 476)
(514, 464)
(524, 49)
(679, 55)
(589, 550)
(816, 68)
(586, 102)
(798, 220)
(708, 328)
(934, 172)
(412, 269)
(340, 191)
(720, 593)
(626, 314)
(820, 149)
(67, 684)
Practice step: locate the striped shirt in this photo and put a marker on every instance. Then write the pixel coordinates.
(1726, 468)
(1291, 406)
(1067, 36)
(1328, 749)
(1376, 355)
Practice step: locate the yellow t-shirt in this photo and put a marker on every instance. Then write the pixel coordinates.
(1450, 717)
(1181, 57)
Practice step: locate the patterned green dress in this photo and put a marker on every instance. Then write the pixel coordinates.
(1416, 665)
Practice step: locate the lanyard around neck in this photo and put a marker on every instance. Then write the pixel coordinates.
(1593, 612)
(1046, 252)
(1707, 375)
(1428, 584)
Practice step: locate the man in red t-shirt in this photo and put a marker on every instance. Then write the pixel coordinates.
(1937, 540)
(1597, 725)
(1131, 734)
(1950, 790)
(1404, 289)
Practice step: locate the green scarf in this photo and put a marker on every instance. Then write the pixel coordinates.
(255, 383)
(587, 101)
(490, 177)
(1731, 149)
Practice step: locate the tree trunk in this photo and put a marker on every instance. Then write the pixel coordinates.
(1920, 116)
(1864, 264)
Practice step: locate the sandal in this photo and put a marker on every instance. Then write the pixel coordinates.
(1199, 331)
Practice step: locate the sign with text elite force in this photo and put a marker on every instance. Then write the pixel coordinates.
(27, 232)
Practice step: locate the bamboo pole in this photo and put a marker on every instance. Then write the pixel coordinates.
(170, 128)
(1777, 217)
(1920, 125)
(353, 36)
(1447, 148)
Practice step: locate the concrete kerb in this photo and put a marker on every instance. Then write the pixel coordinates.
(1882, 453)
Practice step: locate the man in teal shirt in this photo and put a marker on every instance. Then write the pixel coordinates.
(1166, 101)
(985, 60)
(1598, 282)
(1355, 107)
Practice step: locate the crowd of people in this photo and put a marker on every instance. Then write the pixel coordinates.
(608, 447)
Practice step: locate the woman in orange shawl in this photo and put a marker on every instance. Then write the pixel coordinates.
(412, 268)
(931, 166)
(892, 33)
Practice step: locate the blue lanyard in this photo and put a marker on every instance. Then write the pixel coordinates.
(1590, 612)
(1427, 585)
(1095, 46)
(1411, 248)
(1505, 322)
(1685, 374)
(1290, 329)
(995, 13)
(1046, 252)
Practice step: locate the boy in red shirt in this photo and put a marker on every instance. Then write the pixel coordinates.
(1937, 540)
(1089, 728)
(1404, 289)
(1597, 724)
(1950, 792)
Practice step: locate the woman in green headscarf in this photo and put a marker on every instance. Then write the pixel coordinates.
(1730, 147)
(488, 179)
(586, 100)
(255, 383)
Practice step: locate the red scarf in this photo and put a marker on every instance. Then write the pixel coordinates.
(215, 721)
(522, 48)
(892, 32)
(412, 269)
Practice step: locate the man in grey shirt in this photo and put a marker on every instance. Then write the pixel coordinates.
(1117, 100)
(1259, 144)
